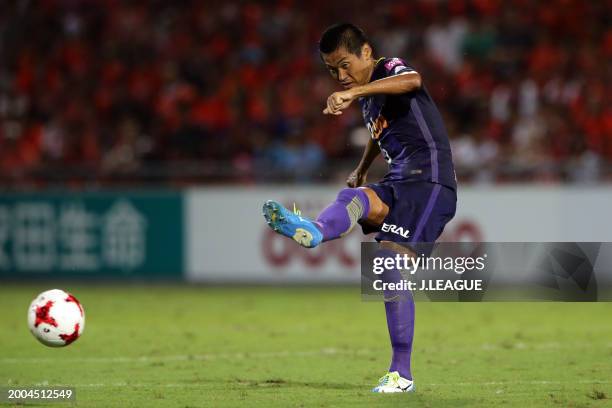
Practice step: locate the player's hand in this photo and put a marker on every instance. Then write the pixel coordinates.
(356, 179)
(338, 101)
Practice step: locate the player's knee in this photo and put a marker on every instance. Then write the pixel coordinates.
(346, 195)
(356, 203)
(378, 210)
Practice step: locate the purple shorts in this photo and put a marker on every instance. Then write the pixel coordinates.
(418, 211)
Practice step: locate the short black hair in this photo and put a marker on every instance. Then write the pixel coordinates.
(345, 35)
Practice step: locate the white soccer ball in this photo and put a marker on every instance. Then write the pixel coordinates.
(56, 318)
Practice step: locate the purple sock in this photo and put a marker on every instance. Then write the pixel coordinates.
(400, 323)
(340, 217)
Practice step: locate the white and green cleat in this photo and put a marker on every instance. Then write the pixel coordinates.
(292, 224)
(393, 382)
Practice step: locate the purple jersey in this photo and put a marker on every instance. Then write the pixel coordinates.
(409, 131)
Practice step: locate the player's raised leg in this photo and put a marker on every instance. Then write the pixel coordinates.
(339, 218)
(291, 224)
(335, 221)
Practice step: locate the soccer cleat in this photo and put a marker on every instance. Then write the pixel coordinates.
(291, 224)
(393, 382)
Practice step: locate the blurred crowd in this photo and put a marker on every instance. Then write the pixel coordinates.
(200, 91)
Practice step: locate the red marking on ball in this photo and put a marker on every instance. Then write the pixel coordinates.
(42, 315)
(71, 298)
(69, 338)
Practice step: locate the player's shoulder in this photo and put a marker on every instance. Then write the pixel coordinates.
(394, 66)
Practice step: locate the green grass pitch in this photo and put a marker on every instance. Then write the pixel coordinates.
(193, 346)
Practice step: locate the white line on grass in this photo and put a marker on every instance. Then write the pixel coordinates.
(187, 357)
(516, 346)
(247, 382)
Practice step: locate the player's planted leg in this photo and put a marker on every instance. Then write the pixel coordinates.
(399, 308)
(400, 322)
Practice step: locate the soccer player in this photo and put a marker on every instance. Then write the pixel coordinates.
(414, 200)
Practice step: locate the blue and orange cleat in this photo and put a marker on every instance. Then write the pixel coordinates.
(291, 224)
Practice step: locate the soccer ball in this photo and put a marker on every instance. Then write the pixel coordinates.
(56, 318)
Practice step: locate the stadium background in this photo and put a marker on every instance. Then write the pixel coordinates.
(138, 141)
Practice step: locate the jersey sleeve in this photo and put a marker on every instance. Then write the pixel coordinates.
(396, 66)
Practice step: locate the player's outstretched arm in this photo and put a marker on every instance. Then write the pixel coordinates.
(393, 85)
(358, 176)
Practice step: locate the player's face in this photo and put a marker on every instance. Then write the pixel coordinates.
(349, 69)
